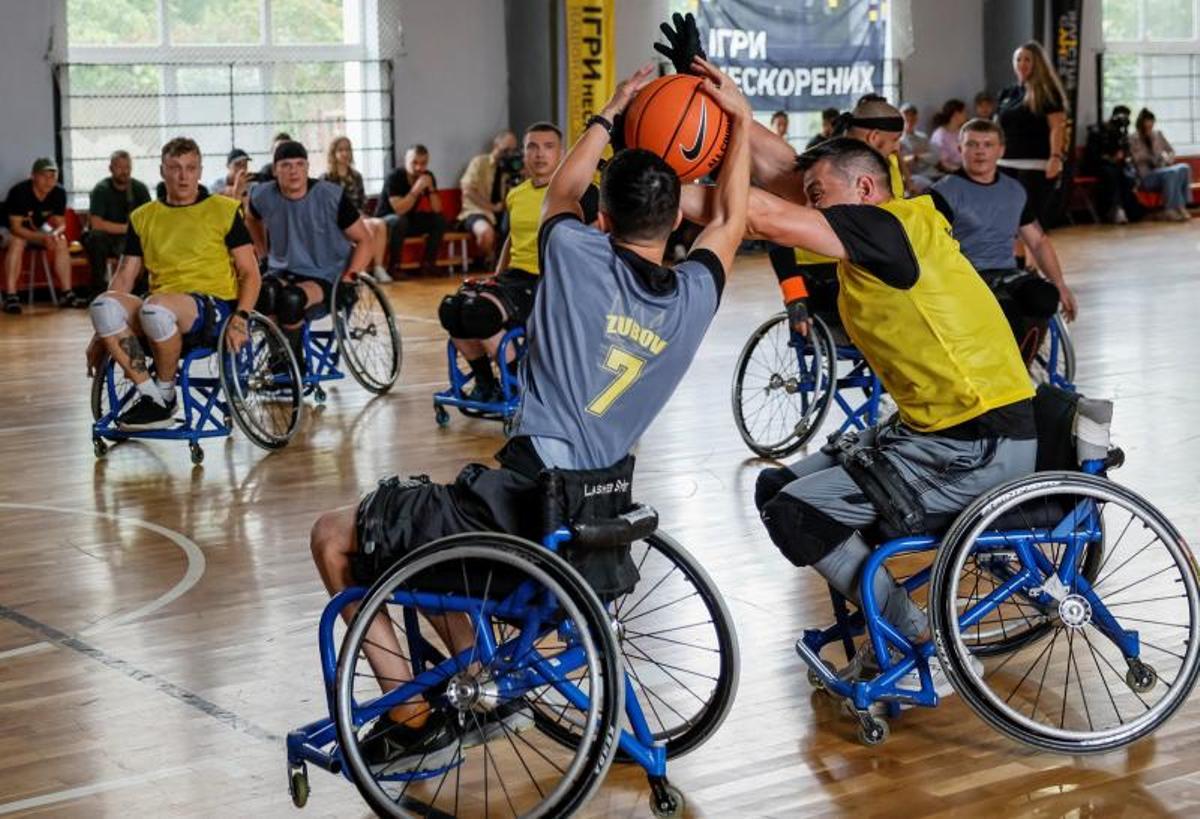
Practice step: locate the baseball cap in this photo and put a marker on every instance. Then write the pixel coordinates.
(235, 155)
(44, 164)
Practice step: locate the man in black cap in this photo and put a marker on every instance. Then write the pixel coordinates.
(37, 210)
(232, 183)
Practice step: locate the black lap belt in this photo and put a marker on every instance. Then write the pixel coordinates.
(897, 503)
(209, 332)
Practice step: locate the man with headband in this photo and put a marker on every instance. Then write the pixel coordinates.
(314, 236)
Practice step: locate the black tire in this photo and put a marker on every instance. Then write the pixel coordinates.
(686, 700)
(1064, 365)
(1132, 702)
(579, 612)
(367, 336)
(768, 378)
(261, 384)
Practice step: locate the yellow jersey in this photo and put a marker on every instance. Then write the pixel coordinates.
(186, 248)
(524, 203)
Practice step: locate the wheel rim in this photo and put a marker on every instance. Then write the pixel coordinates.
(368, 337)
(1068, 688)
(261, 383)
(781, 386)
(1047, 358)
(529, 774)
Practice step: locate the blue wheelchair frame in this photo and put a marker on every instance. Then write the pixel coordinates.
(1056, 353)
(316, 742)
(321, 357)
(1078, 527)
(455, 395)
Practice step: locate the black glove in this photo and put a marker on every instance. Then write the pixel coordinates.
(797, 313)
(684, 42)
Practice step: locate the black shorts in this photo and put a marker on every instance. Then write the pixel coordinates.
(400, 516)
(520, 290)
(470, 219)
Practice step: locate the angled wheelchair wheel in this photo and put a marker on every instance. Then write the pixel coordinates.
(1118, 655)
(782, 386)
(367, 335)
(261, 383)
(527, 628)
(679, 647)
(1054, 361)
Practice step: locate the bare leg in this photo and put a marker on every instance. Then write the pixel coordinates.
(379, 237)
(12, 263)
(60, 256)
(124, 347)
(485, 239)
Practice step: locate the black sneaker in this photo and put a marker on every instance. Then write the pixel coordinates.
(509, 718)
(485, 394)
(391, 747)
(74, 299)
(146, 413)
(12, 304)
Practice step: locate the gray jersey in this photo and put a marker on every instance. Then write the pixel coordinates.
(985, 218)
(610, 338)
(306, 235)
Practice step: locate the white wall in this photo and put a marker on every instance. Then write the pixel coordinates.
(26, 86)
(451, 81)
(947, 57)
(636, 22)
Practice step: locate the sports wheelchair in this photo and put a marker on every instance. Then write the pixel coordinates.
(504, 409)
(255, 388)
(1064, 608)
(364, 336)
(608, 636)
(785, 384)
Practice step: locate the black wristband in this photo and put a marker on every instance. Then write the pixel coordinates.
(244, 315)
(596, 119)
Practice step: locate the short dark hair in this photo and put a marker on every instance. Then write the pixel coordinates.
(640, 194)
(830, 114)
(418, 149)
(983, 126)
(180, 146)
(849, 156)
(544, 126)
(282, 136)
(779, 114)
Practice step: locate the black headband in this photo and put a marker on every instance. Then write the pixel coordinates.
(878, 123)
(289, 150)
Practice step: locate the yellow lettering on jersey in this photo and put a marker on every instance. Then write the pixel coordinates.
(644, 337)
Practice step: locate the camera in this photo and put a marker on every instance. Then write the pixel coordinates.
(512, 165)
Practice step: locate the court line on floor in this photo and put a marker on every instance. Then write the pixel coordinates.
(195, 570)
(162, 685)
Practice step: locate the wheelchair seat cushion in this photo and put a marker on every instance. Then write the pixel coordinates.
(583, 496)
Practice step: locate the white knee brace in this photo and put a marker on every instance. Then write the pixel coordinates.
(158, 323)
(108, 315)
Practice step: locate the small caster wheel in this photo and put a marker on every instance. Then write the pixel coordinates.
(319, 395)
(99, 447)
(666, 800)
(509, 426)
(197, 454)
(441, 416)
(815, 680)
(872, 731)
(1140, 677)
(298, 787)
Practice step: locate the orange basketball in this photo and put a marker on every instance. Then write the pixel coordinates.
(675, 119)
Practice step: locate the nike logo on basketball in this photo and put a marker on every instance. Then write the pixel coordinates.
(691, 153)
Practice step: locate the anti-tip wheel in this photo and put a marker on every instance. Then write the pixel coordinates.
(197, 454)
(441, 416)
(298, 787)
(666, 801)
(872, 731)
(1141, 677)
(319, 395)
(99, 447)
(815, 680)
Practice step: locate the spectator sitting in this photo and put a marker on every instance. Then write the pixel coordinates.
(1106, 156)
(410, 206)
(917, 152)
(945, 135)
(111, 202)
(828, 118)
(37, 209)
(232, 183)
(484, 187)
(339, 168)
(985, 105)
(1154, 159)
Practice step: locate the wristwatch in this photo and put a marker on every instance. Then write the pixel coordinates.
(596, 119)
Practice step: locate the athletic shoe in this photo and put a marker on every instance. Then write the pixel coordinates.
(12, 304)
(380, 274)
(509, 718)
(146, 413)
(391, 747)
(74, 299)
(485, 393)
(1118, 217)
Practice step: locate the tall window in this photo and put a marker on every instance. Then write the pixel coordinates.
(227, 73)
(1152, 60)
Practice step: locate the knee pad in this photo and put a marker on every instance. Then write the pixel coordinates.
(108, 315)
(770, 481)
(1036, 297)
(290, 305)
(158, 323)
(481, 317)
(450, 314)
(268, 296)
(803, 533)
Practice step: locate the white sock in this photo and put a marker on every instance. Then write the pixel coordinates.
(380, 270)
(149, 388)
(167, 390)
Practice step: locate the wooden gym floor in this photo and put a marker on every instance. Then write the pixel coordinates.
(158, 622)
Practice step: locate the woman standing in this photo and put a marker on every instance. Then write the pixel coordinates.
(339, 168)
(1033, 116)
(946, 124)
(1154, 159)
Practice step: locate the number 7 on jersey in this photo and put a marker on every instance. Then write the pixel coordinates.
(627, 368)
